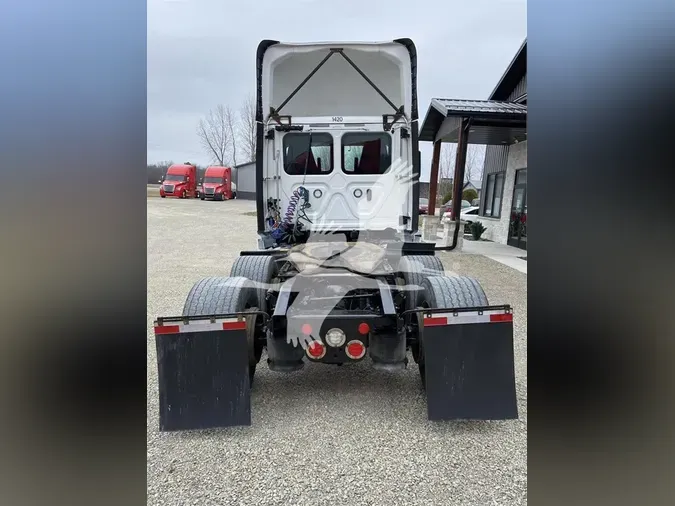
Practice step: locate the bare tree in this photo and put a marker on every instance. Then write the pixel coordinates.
(233, 131)
(473, 167)
(447, 161)
(157, 170)
(446, 170)
(214, 133)
(248, 128)
(474, 164)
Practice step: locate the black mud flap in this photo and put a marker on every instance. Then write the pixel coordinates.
(469, 362)
(203, 375)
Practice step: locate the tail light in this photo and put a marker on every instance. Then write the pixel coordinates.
(355, 349)
(316, 350)
(364, 328)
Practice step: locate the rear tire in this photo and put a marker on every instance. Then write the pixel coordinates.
(414, 269)
(446, 292)
(259, 269)
(452, 292)
(221, 295)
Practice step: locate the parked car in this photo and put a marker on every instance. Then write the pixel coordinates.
(468, 215)
(424, 206)
(448, 206)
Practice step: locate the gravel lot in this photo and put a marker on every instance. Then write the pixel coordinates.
(323, 435)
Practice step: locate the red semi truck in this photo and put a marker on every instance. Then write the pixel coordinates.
(217, 184)
(180, 181)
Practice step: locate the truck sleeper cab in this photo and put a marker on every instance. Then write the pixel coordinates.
(180, 181)
(217, 184)
(332, 146)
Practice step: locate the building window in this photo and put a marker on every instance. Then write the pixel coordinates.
(492, 205)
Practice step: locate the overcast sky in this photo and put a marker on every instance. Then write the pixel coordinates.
(202, 52)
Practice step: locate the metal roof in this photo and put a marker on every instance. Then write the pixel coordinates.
(245, 164)
(477, 183)
(514, 73)
(493, 121)
(453, 107)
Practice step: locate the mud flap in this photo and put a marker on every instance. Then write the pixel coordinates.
(469, 366)
(203, 375)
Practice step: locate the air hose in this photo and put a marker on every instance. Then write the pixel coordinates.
(300, 192)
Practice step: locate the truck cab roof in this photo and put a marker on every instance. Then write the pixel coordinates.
(180, 168)
(337, 88)
(216, 170)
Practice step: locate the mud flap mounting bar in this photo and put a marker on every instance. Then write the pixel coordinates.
(399, 111)
(202, 319)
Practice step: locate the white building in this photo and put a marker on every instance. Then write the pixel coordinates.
(244, 178)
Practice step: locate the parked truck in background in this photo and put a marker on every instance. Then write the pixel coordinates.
(217, 184)
(180, 181)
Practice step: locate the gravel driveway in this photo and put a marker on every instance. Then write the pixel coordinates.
(323, 435)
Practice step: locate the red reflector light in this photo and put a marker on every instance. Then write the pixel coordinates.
(234, 325)
(364, 328)
(316, 350)
(306, 329)
(435, 321)
(167, 329)
(355, 350)
(506, 317)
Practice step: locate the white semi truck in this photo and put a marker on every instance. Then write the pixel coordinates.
(340, 275)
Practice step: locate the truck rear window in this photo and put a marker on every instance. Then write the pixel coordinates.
(366, 153)
(296, 153)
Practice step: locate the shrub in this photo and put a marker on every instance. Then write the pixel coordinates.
(447, 197)
(470, 195)
(477, 229)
